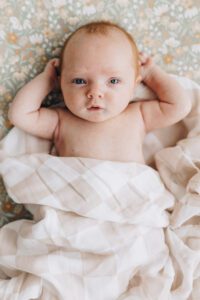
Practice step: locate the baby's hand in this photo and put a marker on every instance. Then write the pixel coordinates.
(51, 73)
(146, 65)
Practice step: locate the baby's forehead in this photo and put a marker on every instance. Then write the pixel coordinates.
(112, 35)
(81, 41)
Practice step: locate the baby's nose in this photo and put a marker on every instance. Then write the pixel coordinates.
(95, 91)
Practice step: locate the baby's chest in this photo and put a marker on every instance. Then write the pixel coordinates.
(118, 137)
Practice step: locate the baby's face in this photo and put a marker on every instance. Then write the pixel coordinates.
(98, 75)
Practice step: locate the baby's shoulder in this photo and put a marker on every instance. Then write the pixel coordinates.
(62, 117)
(60, 110)
(62, 113)
(134, 107)
(135, 114)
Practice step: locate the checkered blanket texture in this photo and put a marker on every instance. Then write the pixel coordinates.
(104, 230)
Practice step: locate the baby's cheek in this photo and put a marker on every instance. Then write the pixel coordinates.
(67, 96)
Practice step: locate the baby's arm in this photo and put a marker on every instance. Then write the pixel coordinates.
(26, 112)
(172, 104)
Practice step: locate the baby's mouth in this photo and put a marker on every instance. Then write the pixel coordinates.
(95, 108)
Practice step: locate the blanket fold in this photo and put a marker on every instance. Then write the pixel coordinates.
(104, 230)
(94, 218)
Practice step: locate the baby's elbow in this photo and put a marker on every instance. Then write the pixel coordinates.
(186, 107)
(180, 110)
(10, 115)
(13, 116)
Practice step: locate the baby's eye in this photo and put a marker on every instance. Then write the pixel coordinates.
(114, 80)
(78, 81)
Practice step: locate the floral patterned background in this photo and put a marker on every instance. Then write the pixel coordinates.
(32, 32)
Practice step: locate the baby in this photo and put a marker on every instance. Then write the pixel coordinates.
(100, 68)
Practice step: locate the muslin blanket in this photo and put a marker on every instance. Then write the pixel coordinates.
(105, 230)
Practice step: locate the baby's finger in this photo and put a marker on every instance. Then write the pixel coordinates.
(56, 62)
(142, 57)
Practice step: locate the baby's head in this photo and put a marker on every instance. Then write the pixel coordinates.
(99, 69)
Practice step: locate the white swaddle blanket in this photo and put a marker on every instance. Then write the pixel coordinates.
(104, 230)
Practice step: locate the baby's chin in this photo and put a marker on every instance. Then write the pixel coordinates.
(95, 116)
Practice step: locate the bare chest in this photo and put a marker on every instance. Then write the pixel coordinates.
(117, 139)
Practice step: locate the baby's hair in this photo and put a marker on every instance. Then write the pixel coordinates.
(102, 27)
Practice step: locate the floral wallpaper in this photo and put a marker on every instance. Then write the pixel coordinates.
(32, 32)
